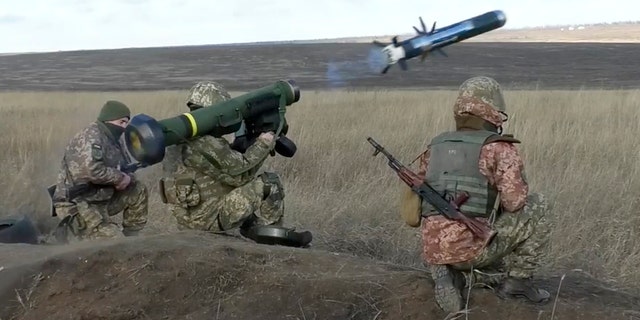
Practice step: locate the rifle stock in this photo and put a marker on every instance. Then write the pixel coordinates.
(80, 189)
(449, 209)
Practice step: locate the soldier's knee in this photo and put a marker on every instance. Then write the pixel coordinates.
(230, 220)
(273, 188)
(538, 204)
(139, 193)
(140, 189)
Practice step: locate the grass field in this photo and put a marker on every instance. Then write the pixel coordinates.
(579, 149)
(325, 66)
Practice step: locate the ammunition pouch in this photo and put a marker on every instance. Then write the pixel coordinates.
(179, 190)
(272, 186)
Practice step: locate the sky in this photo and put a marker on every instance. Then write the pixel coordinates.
(58, 25)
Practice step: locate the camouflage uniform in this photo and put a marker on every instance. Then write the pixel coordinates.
(93, 157)
(499, 196)
(212, 187)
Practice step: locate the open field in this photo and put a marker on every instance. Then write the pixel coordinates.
(577, 148)
(324, 66)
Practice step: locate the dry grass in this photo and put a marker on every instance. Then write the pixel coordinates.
(580, 149)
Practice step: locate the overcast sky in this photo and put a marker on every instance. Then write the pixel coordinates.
(52, 25)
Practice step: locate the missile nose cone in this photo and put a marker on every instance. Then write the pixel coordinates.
(501, 17)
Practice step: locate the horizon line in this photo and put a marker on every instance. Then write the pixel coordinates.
(315, 39)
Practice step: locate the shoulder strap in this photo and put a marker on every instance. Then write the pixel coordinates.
(504, 138)
(468, 136)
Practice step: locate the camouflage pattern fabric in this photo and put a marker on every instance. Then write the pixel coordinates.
(474, 106)
(484, 88)
(203, 197)
(210, 186)
(206, 93)
(522, 242)
(93, 219)
(446, 241)
(93, 156)
(171, 158)
(202, 94)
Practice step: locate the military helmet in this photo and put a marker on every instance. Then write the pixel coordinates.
(484, 88)
(206, 93)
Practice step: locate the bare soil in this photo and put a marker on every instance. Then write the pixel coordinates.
(324, 66)
(208, 276)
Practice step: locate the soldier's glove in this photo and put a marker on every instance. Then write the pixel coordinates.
(124, 183)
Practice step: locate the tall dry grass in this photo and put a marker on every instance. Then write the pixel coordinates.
(580, 149)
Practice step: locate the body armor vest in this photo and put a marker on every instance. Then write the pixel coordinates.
(453, 168)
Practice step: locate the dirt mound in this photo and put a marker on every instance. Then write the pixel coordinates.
(205, 276)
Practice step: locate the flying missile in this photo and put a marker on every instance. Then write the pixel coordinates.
(426, 41)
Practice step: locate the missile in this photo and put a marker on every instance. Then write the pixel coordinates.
(426, 41)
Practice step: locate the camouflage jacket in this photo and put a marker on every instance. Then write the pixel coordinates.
(92, 156)
(172, 156)
(214, 180)
(448, 241)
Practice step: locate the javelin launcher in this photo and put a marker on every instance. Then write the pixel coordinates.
(434, 40)
(262, 110)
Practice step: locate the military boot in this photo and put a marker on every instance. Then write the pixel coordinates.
(448, 286)
(247, 225)
(522, 287)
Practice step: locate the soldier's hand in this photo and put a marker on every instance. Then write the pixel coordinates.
(124, 183)
(266, 136)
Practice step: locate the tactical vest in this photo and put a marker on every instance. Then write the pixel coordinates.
(453, 168)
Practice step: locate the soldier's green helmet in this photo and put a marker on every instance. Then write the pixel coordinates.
(484, 88)
(206, 93)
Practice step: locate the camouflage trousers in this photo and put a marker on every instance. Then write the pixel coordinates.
(519, 248)
(93, 220)
(248, 204)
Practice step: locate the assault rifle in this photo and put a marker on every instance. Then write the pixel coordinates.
(448, 208)
(83, 188)
(80, 189)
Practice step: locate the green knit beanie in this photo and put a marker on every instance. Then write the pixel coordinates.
(113, 110)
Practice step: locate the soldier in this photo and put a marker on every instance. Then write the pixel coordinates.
(477, 159)
(91, 188)
(211, 186)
